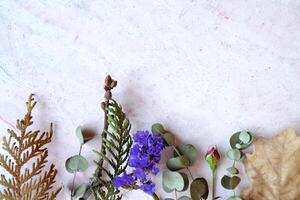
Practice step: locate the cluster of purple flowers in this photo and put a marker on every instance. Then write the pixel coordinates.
(143, 158)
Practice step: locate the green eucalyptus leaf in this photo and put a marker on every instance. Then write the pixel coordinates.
(87, 193)
(239, 146)
(234, 198)
(84, 135)
(189, 151)
(79, 191)
(79, 135)
(230, 183)
(234, 154)
(235, 141)
(186, 181)
(245, 137)
(166, 189)
(184, 198)
(173, 181)
(178, 163)
(76, 163)
(199, 189)
(157, 128)
(233, 170)
(169, 139)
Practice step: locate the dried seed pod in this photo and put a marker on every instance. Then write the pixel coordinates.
(108, 80)
(107, 94)
(113, 84)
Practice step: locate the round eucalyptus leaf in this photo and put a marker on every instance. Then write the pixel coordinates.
(76, 163)
(79, 135)
(234, 198)
(245, 137)
(169, 139)
(186, 181)
(234, 154)
(233, 170)
(166, 189)
(189, 151)
(239, 146)
(230, 183)
(79, 191)
(184, 198)
(157, 128)
(178, 163)
(84, 135)
(199, 189)
(173, 181)
(235, 141)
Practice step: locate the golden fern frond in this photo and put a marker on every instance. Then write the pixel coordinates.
(20, 148)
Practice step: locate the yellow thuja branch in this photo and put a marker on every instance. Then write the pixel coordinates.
(25, 183)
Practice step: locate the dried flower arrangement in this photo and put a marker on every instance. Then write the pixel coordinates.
(21, 148)
(130, 161)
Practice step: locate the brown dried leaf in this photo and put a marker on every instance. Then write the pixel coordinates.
(274, 168)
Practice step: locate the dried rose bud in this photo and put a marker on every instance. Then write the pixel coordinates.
(212, 157)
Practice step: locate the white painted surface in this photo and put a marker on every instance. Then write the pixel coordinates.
(203, 68)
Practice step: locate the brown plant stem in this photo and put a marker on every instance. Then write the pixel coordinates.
(109, 84)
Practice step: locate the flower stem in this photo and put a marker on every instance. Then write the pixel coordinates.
(213, 185)
(155, 197)
(175, 194)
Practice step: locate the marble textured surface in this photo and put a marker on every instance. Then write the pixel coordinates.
(203, 68)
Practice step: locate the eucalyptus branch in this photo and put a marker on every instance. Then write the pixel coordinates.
(184, 156)
(238, 141)
(186, 167)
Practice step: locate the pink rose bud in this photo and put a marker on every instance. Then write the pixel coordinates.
(212, 157)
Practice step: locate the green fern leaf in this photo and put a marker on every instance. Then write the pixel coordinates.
(117, 144)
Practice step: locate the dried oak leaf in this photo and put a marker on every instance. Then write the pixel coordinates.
(274, 168)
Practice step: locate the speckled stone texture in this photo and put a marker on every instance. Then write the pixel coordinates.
(205, 69)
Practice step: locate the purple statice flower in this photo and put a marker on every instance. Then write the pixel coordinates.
(148, 188)
(124, 180)
(144, 157)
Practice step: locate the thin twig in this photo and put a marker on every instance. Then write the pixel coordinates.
(109, 84)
